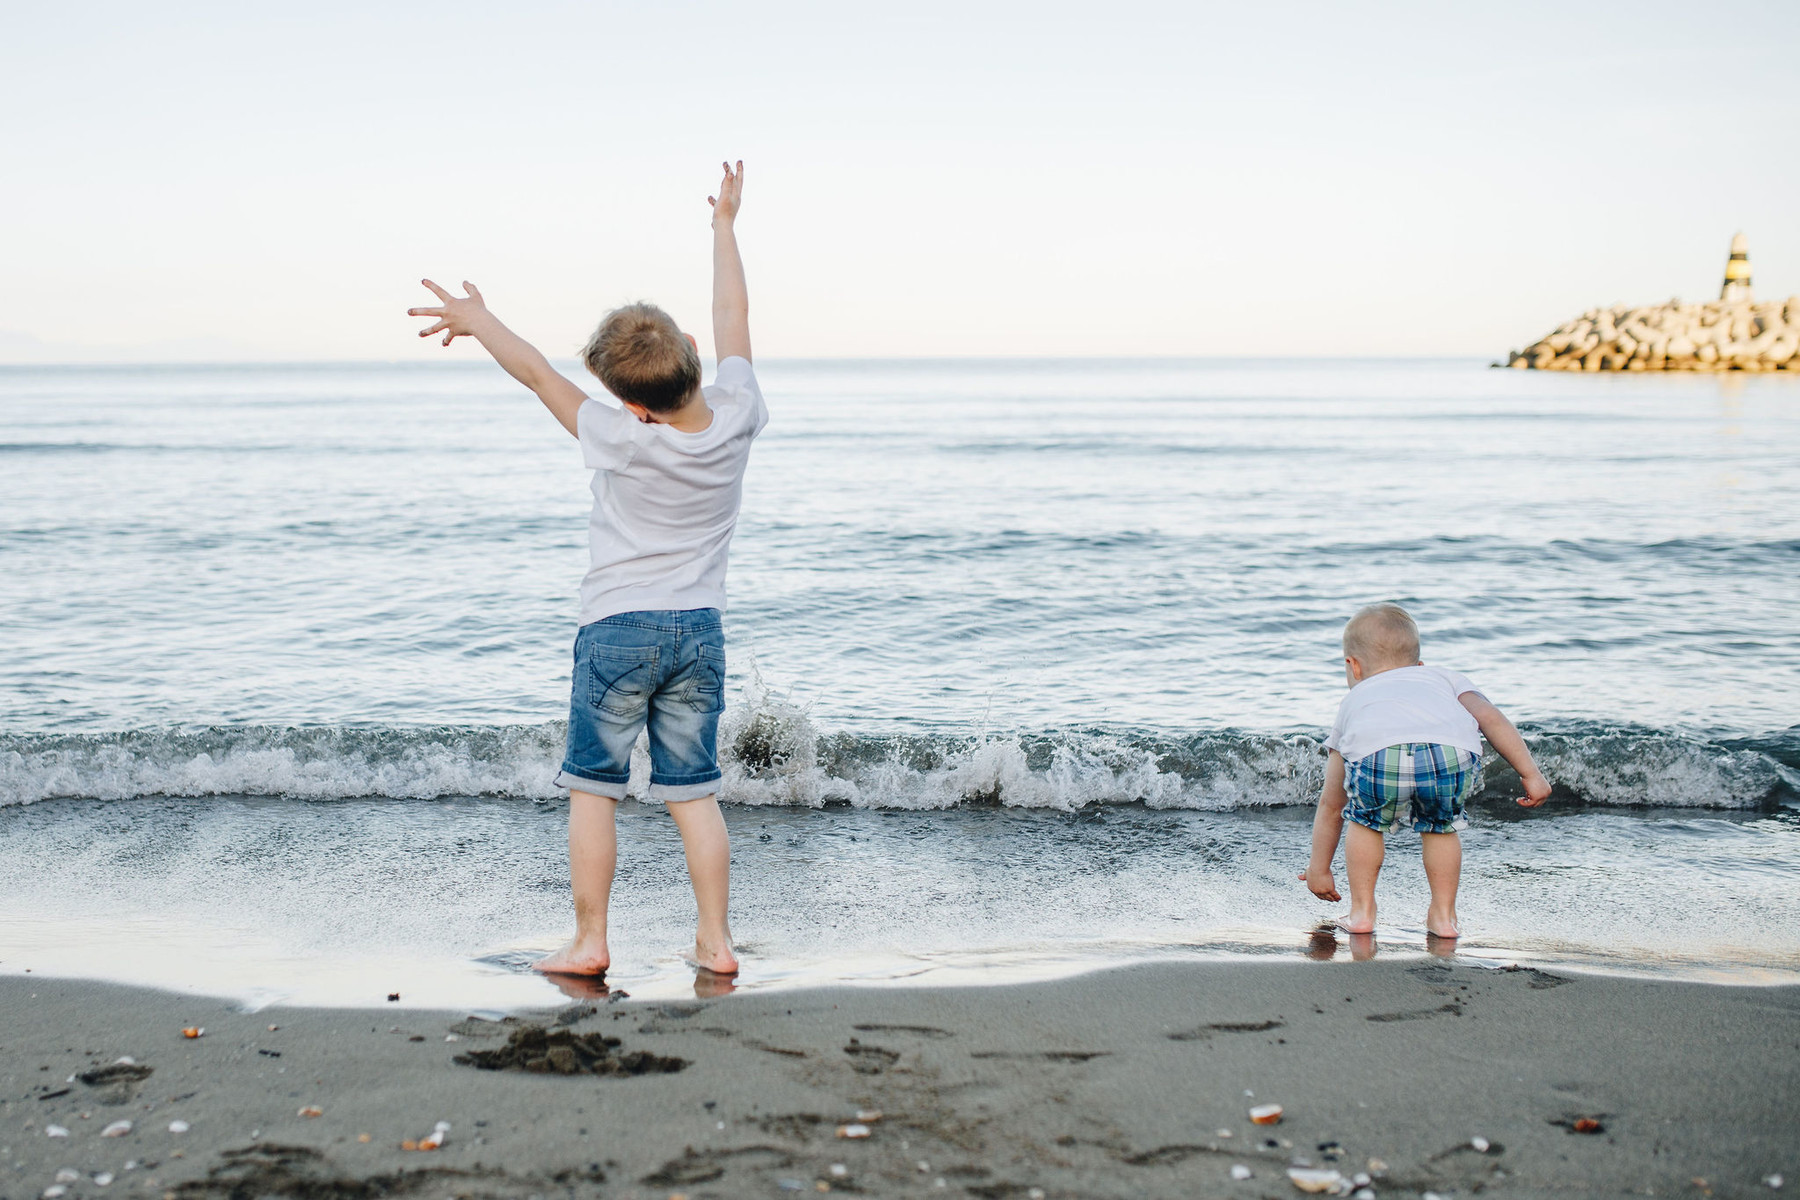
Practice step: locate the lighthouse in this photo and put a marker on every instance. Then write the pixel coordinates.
(1737, 272)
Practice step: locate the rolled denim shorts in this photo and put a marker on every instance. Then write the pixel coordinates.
(1432, 782)
(664, 669)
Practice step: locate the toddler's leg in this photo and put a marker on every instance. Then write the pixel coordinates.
(708, 847)
(1443, 871)
(1363, 852)
(593, 857)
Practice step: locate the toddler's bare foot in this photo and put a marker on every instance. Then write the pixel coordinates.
(1443, 927)
(582, 956)
(715, 956)
(1357, 922)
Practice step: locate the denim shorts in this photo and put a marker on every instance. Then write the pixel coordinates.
(663, 669)
(1430, 780)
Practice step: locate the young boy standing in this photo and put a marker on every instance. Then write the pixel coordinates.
(1407, 739)
(668, 480)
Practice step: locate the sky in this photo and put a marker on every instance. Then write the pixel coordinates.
(232, 182)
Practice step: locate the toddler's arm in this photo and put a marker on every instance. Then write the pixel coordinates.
(469, 317)
(1328, 826)
(1503, 737)
(731, 296)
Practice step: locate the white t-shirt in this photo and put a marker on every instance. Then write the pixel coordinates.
(666, 502)
(1406, 704)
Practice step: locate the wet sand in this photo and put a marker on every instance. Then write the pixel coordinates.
(1120, 1083)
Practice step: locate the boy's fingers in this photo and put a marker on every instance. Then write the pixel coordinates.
(424, 312)
(474, 292)
(434, 329)
(436, 290)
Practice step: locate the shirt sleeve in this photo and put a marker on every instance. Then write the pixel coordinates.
(606, 435)
(737, 381)
(1460, 683)
(1335, 739)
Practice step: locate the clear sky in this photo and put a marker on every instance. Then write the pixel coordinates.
(258, 181)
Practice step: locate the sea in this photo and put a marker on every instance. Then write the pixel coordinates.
(1030, 666)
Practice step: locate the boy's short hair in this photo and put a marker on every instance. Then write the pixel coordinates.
(642, 356)
(1382, 635)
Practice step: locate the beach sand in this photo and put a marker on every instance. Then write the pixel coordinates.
(1119, 1083)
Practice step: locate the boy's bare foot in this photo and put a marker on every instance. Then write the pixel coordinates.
(579, 957)
(1440, 927)
(1355, 922)
(715, 957)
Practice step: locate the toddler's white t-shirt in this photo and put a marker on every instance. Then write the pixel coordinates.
(1406, 704)
(666, 502)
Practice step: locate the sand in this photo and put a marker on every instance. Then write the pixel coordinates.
(1129, 1082)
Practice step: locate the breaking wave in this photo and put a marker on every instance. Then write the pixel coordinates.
(772, 753)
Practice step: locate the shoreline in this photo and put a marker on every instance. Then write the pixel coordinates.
(1115, 1082)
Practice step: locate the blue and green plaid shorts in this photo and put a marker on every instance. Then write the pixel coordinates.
(1433, 781)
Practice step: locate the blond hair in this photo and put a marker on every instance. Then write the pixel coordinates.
(642, 356)
(1382, 635)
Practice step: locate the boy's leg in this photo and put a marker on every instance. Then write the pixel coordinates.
(1363, 852)
(609, 701)
(593, 857)
(708, 847)
(1443, 871)
(684, 772)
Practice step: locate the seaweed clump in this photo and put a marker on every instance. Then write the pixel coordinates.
(541, 1051)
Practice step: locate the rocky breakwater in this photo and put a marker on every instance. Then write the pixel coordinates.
(1716, 335)
(1732, 333)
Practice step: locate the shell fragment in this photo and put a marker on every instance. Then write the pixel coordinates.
(1265, 1114)
(1315, 1179)
(1240, 1172)
(116, 1129)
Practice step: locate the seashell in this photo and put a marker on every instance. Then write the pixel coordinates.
(55, 1131)
(68, 1175)
(839, 1170)
(1479, 1144)
(1364, 1194)
(312, 1110)
(116, 1129)
(409, 1144)
(853, 1130)
(103, 1178)
(55, 1190)
(1314, 1179)
(1773, 1181)
(1240, 1172)
(1361, 1179)
(1265, 1114)
(179, 1127)
(193, 1031)
(1586, 1125)
(435, 1139)
(868, 1115)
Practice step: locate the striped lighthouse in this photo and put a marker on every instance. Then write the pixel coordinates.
(1737, 271)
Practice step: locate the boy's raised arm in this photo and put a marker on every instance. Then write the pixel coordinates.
(468, 316)
(731, 296)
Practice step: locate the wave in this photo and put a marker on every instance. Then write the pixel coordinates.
(772, 753)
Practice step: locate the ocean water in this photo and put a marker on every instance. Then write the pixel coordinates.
(1030, 661)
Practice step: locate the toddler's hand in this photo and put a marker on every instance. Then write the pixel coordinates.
(1320, 883)
(731, 194)
(1537, 790)
(458, 315)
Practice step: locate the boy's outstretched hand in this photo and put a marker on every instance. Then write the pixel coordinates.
(731, 194)
(1321, 883)
(459, 315)
(1537, 790)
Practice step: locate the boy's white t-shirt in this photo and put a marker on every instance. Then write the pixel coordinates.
(666, 502)
(1406, 704)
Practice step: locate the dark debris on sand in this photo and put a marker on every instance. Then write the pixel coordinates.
(302, 1173)
(543, 1051)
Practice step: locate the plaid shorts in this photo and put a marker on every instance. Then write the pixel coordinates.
(1432, 781)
